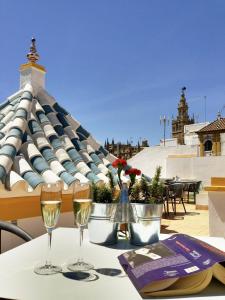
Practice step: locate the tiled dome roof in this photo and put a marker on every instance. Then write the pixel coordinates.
(41, 142)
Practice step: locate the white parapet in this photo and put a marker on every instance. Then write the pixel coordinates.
(217, 213)
(202, 200)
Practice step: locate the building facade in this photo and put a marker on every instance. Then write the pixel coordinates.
(212, 138)
(125, 151)
(190, 133)
(182, 119)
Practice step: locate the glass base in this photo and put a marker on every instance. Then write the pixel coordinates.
(47, 270)
(80, 266)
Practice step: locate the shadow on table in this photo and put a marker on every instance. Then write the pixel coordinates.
(108, 271)
(81, 276)
(122, 244)
(89, 276)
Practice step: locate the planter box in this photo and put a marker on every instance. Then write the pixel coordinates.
(101, 230)
(147, 229)
(216, 198)
(217, 213)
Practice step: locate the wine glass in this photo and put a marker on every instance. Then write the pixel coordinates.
(50, 209)
(82, 209)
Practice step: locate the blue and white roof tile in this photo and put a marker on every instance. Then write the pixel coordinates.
(41, 142)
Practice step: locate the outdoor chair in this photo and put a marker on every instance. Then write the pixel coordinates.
(194, 188)
(6, 226)
(176, 195)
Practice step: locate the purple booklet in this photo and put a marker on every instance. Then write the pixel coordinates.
(170, 260)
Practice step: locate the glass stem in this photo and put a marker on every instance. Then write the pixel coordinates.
(80, 259)
(48, 260)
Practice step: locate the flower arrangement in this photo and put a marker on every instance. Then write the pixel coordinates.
(142, 190)
(121, 165)
(132, 172)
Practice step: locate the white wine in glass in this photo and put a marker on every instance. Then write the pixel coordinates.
(50, 209)
(50, 212)
(82, 211)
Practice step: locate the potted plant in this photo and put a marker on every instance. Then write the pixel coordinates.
(101, 229)
(147, 198)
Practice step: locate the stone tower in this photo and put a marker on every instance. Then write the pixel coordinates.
(182, 119)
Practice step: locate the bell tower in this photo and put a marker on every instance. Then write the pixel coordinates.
(182, 119)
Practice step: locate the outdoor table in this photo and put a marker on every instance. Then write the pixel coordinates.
(18, 281)
(183, 181)
(186, 184)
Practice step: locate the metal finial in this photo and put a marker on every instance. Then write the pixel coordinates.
(182, 90)
(33, 56)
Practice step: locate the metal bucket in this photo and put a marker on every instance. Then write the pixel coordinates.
(147, 229)
(101, 229)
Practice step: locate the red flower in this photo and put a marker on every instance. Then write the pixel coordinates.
(119, 163)
(127, 172)
(138, 172)
(133, 171)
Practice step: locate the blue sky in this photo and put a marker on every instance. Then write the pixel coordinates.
(118, 65)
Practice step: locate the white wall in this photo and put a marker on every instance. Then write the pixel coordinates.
(222, 139)
(201, 168)
(190, 136)
(148, 159)
(191, 139)
(181, 167)
(169, 142)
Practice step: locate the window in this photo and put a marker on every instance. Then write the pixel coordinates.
(208, 145)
